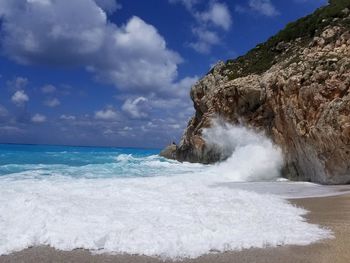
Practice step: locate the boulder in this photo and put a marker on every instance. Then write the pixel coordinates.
(169, 152)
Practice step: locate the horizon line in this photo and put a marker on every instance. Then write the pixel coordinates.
(80, 146)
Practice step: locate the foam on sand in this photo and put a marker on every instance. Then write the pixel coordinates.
(171, 217)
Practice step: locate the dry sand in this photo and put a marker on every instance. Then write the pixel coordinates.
(332, 212)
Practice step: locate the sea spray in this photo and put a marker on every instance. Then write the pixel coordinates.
(247, 155)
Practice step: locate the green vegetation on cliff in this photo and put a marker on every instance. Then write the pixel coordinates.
(264, 55)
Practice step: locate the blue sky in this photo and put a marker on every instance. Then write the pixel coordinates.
(118, 73)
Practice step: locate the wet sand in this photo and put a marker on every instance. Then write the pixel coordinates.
(332, 212)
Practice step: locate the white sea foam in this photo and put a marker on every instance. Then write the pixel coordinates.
(124, 157)
(178, 210)
(172, 217)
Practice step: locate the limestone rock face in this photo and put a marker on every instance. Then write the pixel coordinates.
(302, 102)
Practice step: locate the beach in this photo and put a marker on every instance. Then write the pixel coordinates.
(184, 131)
(331, 212)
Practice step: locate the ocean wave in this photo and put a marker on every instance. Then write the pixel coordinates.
(140, 203)
(124, 158)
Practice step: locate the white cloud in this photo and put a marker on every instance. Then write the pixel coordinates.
(136, 108)
(206, 39)
(218, 14)
(110, 6)
(134, 56)
(175, 126)
(41, 2)
(108, 114)
(137, 59)
(54, 102)
(7, 129)
(68, 117)
(38, 118)
(183, 87)
(51, 31)
(18, 83)
(264, 7)
(48, 89)
(19, 97)
(108, 132)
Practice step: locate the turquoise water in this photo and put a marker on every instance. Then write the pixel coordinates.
(44, 160)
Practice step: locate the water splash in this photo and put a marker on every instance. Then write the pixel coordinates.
(249, 156)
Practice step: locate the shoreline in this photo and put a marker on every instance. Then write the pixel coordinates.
(332, 212)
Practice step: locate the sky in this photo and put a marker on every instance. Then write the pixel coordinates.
(119, 72)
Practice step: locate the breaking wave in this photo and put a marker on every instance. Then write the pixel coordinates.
(249, 156)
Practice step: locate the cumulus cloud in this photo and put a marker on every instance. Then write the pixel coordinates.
(52, 32)
(108, 114)
(48, 89)
(137, 58)
(133, 56)
(19, 97)
(217, 16)
(183, 87)
(136, 108)
(205, 40)
(38, 118)
(54, 102)
(263, 7)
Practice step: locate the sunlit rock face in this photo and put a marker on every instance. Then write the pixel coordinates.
(298, 95)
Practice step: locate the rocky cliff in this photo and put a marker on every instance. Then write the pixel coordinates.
(295, 88)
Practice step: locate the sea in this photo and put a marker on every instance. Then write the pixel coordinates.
(132, 201)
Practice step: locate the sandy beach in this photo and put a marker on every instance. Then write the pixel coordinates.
(332, 212)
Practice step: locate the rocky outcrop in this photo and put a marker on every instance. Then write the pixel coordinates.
(169, 152)
(299, 96)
